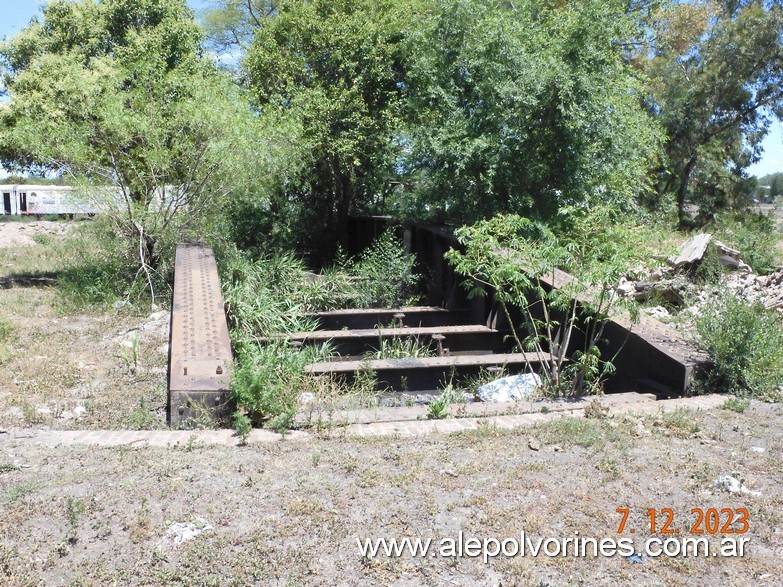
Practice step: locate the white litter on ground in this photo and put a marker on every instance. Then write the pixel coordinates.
(510, 389)
(733, 485)
(183, 532)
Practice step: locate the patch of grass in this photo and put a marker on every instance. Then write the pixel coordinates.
(681, 422)
(31, 414)
(16, 492)
(6, 329)
(93, 276)
(611, 464)
(571, 431)
(141, 418)
(42, 239)
(735, 404)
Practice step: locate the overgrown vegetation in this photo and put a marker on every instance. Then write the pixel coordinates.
(517, 260)
(745, 346)
(270, 297)
(754, 235)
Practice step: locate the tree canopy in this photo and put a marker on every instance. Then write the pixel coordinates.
(333, 70)
(715, 77)
(525, 107)
(121, 93)
(438, 110)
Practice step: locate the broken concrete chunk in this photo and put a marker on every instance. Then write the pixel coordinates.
(724, 250)
(692, 250)
(729, 261)
(510, 389)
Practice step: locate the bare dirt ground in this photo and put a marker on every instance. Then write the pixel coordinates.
(22, 234)
(290, 512)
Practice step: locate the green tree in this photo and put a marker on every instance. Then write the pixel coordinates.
(118, 93)
(330, 71)
(231, 24)
(774, 187)
(714, 78)
(523, 107)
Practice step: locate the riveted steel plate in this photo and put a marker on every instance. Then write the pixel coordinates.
(200, 357)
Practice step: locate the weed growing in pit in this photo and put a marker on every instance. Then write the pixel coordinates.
(398, 347)
(269, 380)
(385, 276)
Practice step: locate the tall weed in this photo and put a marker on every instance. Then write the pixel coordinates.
(745, 346)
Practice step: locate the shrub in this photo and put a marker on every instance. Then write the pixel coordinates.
(745, 346)
(515, 257)
(266, 384)
(385, 275)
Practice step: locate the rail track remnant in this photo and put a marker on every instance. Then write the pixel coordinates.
(199, 350)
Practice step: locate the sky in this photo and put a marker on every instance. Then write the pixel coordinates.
(15, 14)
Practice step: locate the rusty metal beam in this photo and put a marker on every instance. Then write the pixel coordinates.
(200, 349)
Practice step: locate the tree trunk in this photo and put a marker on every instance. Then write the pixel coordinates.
(682, 189)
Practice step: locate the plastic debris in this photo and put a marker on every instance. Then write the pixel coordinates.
(636, 557)
(733, 485)
(183, 532)
(510, 389)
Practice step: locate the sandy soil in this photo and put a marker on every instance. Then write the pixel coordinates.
(67, 369)
(21, 234)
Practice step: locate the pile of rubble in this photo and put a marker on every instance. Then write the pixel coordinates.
(671, 283)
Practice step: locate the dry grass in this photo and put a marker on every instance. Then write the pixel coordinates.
(57, 359)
